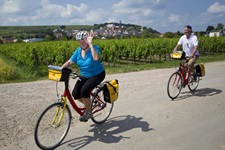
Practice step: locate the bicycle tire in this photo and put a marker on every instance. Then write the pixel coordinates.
(101, 110)
(192, 85)
(174, 85)
(47, 135)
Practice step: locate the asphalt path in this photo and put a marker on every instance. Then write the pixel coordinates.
(145, 118)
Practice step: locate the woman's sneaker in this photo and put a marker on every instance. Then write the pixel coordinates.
(85, 117)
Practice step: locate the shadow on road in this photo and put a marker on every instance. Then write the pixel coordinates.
(203, 92)
(110, 131)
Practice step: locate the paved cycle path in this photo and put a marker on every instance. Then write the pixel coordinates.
(144, 117)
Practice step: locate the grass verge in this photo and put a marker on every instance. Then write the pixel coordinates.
(122, 68)
(12, 72)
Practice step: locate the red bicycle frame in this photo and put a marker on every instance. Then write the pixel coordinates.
(79, 110)
(182, 73)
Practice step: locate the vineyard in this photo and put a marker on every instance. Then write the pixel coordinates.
(114, 51)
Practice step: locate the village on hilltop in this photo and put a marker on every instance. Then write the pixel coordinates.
(101, 31)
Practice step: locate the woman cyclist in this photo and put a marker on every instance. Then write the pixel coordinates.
(86, 56)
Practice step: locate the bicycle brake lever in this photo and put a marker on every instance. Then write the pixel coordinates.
(74, 75)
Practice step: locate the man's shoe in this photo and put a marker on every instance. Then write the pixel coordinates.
(183, 84)
(85, 117)
(195, 77)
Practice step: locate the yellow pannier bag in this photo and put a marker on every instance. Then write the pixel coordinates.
(200, 70)
(110, 90)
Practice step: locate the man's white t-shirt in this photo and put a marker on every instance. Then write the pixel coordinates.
(189, 44)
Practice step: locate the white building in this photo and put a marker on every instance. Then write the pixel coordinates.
(216, 33)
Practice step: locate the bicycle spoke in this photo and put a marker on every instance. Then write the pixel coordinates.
(52, 127)
(174, 85)
(100, 109)
(192, 85)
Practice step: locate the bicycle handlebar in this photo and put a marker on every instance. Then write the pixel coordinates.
(57, 68)
(74, 75)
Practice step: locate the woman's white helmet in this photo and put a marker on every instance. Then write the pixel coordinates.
(81, 35)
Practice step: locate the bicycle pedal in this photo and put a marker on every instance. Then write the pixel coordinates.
(83, 120)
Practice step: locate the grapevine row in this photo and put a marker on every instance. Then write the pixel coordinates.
(112, 51)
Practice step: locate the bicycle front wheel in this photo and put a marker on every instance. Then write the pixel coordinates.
(192, 84)
(52, 126)
(101, 110)
(174, 85)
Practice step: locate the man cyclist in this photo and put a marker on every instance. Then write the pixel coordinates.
(189, 43)
(87, 58)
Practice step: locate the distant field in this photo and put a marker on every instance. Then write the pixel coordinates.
(18, 30)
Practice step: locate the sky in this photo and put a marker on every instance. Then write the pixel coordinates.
(160, 15)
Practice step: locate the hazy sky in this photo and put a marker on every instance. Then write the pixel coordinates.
(161, 15)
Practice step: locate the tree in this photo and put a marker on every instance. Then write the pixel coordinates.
(219, 26)
(62, 27)
(169, 35)
(48, 38)
(210, 28)
(178, 33)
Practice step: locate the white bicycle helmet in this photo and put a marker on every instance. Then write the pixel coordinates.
(81, 35)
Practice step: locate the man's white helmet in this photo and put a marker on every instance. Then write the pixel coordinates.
(81, 35)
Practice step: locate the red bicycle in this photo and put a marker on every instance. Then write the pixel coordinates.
(180, 79)
(54, 122)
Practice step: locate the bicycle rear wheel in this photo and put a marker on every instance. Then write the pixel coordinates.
(101, 110)
(174, 85)
(192, 85)
(48, 132)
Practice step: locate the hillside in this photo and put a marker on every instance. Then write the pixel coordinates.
(23, 32)
(36, 31)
